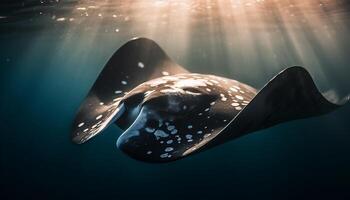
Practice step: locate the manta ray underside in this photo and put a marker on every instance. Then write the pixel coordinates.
(167, 113)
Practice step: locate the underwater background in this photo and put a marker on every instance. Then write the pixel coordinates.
(51, 52)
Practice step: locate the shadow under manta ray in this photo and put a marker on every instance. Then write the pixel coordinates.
(168, 113)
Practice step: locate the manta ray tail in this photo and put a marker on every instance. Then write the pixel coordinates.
(137, 61)
(290, 95)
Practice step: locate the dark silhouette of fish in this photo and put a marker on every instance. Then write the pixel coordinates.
(168, 113)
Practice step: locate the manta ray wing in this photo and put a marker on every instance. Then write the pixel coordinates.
(290, 95)
(137, 61)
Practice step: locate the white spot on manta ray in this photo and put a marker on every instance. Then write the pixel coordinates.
(140, 65)
(124, 82)
(188, 136)
(98, 117)
(165, 73)
(169, 141)
(171, 127)
(149, 130)
(239, 97)
(235, 104)
(160, 133)
(238, 108)
(81, 124)
(164, 155)
(223, 98)
(233, 89)
(168, 149)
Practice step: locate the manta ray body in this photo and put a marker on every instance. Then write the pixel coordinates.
(168, 113)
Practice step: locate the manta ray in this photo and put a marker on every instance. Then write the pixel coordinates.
(167, 113)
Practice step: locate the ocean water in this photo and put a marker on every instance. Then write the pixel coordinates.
(51, 52)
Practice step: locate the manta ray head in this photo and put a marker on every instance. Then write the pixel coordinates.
(169, 117)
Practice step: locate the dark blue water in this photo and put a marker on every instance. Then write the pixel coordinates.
(52, 52)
